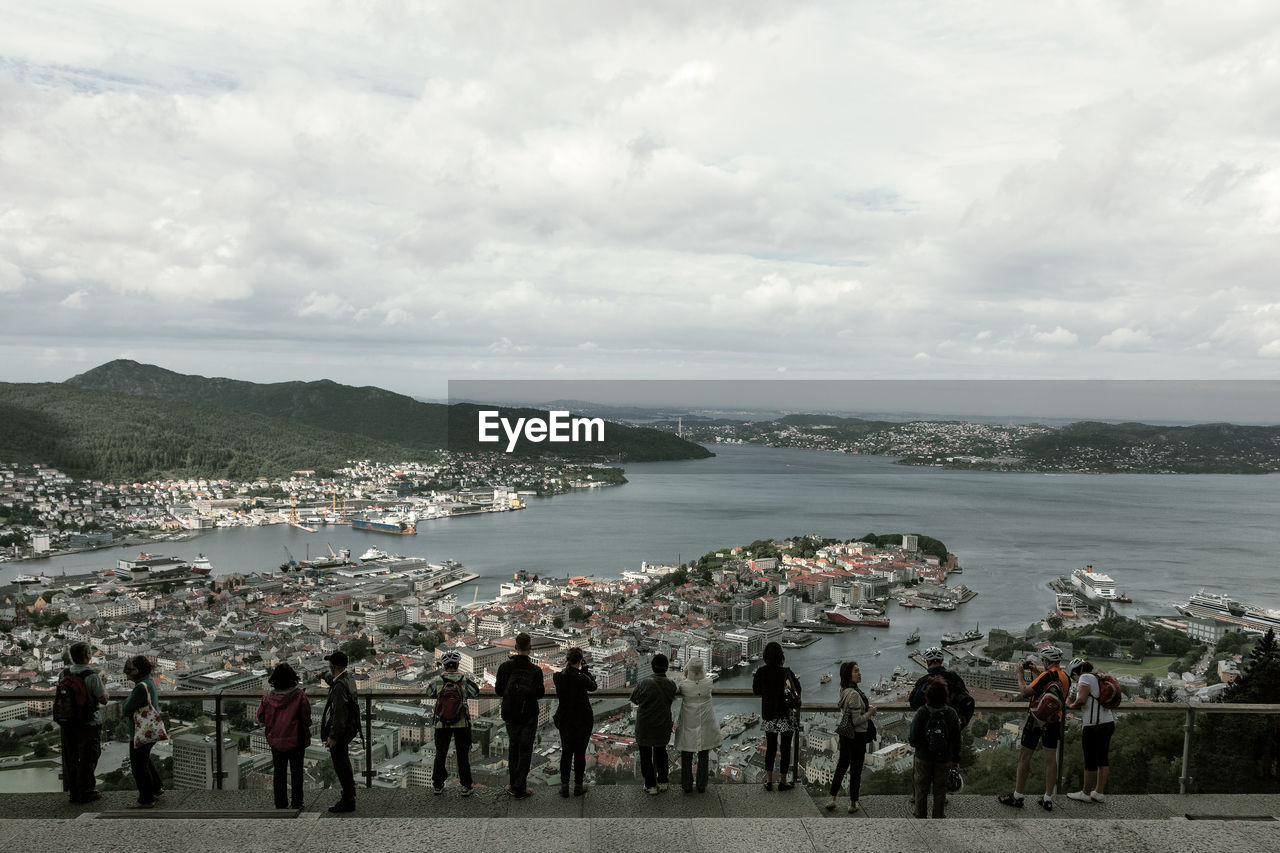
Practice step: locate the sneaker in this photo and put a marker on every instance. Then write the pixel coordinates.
(653, 792)
(768, 786)
(340, 806)
(831, 804)
(437, 790)
(466, 790)
(662, 787)
(523, 795)
(1009, 800)
(785, 786)
(579, 790)
(1047, 805)
(1098, 798)
(564, 790)
(141, 806)
(1078, 796)
(854, 806)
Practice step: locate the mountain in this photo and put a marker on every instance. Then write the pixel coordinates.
(372, 413)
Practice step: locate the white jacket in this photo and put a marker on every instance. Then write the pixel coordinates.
(697, 728)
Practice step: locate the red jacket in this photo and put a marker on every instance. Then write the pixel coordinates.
(287, 718)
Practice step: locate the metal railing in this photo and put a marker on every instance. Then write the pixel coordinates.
(1189, 710)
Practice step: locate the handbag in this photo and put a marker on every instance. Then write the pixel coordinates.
(148, 727)
(845, 729)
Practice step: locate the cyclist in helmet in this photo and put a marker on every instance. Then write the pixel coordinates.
(957, 693)
(451, 689)
(1036, 731)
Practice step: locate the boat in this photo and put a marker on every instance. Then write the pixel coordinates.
(877, 651)
(25, 579)
(386, 524)
(826, 676)
(913, 637)
(1220, 608)
(374, 553)
(906, 602)
(966, 637)
(1094, 585)
(843, 614)
(1066, 604)
(201, 566)
(1122, 598)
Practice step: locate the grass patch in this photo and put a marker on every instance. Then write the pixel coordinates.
(1157, 665)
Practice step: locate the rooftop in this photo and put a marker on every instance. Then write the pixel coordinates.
(623, 818)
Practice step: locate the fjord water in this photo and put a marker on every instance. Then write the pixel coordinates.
(1162, 537)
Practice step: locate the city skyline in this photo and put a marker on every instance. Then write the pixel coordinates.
(393, 196)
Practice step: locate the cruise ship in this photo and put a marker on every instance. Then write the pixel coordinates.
(1210, 605)
(1094, 585)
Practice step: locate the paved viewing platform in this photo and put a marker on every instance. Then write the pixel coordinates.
(623, 818)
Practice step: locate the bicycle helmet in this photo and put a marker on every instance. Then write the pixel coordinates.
(955, 782)
(1074, 666)
(933, 653)
(1051, 654)
(453, 657)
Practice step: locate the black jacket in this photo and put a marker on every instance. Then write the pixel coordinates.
(572, 688)
(519, 708)
(767, 683)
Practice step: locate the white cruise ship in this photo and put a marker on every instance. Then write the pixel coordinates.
(1222, 609)
(1094, 585)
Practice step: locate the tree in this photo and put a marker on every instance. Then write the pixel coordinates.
(40, 749)
(557, 623)
(1055, 622)
(1241, 752)
(576, 614)
(1138, 649)
(359, 648)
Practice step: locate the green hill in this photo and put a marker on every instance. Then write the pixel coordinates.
(115, 436)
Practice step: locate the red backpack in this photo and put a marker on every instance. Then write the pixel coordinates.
(451, 706)
(1109, 694)
(71, 702)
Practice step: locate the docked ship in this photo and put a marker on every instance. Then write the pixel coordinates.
(1066, 604)
(966, 637)
(386, 524)
(201, 566)
(1094, 585)
(843, 614)
(1220, 608)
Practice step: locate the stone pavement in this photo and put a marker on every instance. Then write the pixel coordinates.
(726, 818)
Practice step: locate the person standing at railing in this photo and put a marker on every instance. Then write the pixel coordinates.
(855, 715)
(935, 734)
(451, 689)
(138, 670)
(339, 725)
(285, 714)
(1099, 726)
(519, 683)
(779, 692)
(654, 695)
(1036, 730)
(77, 711)
(574, 719)
(696, 729)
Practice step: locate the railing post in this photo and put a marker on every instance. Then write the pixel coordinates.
(1187, 728)
(217, 747)
(368, 740)
(1062, 750)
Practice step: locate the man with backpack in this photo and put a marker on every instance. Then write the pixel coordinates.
(340, 725)
(958, 696)
(520, 685)
(76, 709)
(451, 689)
(1099, 726)
(1047, 692)
(935, 733)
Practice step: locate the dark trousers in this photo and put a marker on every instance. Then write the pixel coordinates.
(653, 765)
(686, 770)
(573, 754)
(286, 766)
(461, 738)
(342, 767)
(852, 754)
(81, 747)
(144, 772)
(520, 754)
(930, 776)
(771, 749)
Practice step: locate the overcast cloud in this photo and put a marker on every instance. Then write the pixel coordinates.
(403, 193)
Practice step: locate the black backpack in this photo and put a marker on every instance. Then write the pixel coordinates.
(936, 744)
(958, 697)
(518, 695)
(71, 702)
(451, 705)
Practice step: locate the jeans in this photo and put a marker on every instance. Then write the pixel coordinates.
(286, 765)
(81, 747)
(771, 749)
(520, 754)
(342, 767)
(852, 754)
(653, 765)
(573, 754)
(930, 775)
(144, 772)
(461, 738)
(686, 770)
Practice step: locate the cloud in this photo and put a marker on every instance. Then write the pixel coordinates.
(1059, 337)
(1125, 339)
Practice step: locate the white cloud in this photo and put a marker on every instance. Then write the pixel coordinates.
(1125, 339)
(1059, 337)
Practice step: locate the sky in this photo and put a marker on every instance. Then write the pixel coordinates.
(407, 193)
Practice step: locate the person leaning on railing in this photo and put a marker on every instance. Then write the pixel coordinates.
(574, 719)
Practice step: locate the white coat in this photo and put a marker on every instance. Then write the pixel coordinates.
(696, 728)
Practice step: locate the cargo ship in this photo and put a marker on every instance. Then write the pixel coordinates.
(843, 614)
(966, 637)
(386, 524)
